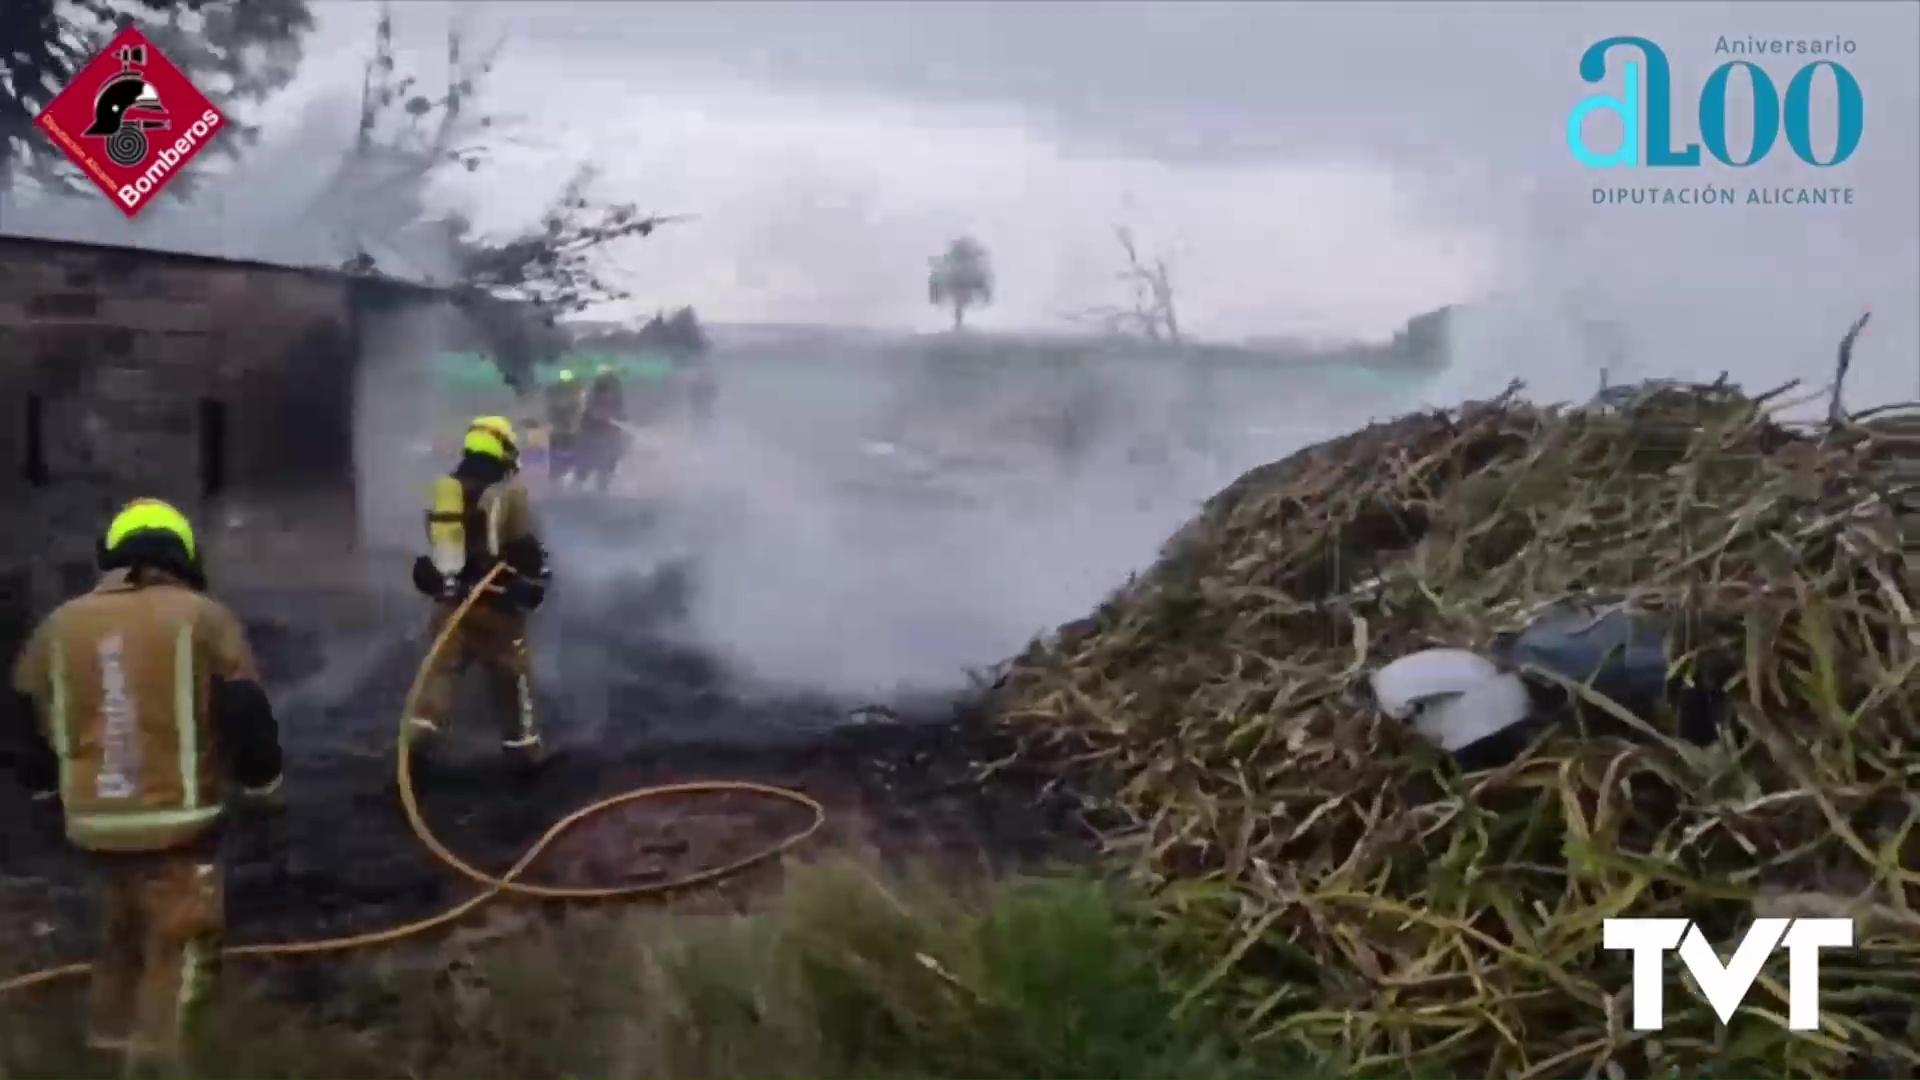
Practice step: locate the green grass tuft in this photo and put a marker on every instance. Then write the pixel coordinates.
(844, 974)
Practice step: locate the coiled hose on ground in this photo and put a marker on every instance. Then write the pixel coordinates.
(508, 883)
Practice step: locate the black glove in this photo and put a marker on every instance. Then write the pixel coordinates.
(434, 585)
(49, 820)
(259, 829)
(271, 798)
(526, 594)
(524, 586)
(426, 578)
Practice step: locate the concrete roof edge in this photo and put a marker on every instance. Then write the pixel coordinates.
(217, 260)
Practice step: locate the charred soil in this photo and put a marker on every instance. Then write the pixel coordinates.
(624, 706)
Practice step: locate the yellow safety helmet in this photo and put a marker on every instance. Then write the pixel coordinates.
(566, 374)
(494, 437)
(498, 425)
(486, 444)
(149, 515)
(604, 369)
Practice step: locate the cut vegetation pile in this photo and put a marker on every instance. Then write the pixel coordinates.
(1349, 893)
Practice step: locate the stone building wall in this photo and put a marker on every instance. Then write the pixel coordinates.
(225, 388)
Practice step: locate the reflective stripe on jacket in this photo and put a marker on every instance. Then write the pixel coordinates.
(124, 679)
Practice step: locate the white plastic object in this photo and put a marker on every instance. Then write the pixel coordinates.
(1453, 697)
(1406, 684)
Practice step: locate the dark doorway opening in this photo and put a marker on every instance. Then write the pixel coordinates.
(213, 446)
(313, 436)
(33, 464)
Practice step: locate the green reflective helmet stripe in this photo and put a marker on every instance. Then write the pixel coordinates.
(145, 515)
(499, 426)
(482, 441)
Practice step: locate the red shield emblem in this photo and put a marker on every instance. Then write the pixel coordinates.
(131, 121)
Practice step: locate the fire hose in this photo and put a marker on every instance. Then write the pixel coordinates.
(508, 883)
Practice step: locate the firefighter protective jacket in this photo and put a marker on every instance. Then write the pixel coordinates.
(565, 400)
(481, 515)
(147, 700)
(606, 400)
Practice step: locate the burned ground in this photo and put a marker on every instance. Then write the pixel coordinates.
(625, 704)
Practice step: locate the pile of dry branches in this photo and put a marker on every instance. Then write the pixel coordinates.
(1345, 888)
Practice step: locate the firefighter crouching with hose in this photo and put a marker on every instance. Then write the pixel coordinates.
(481, 516)
(131, 707)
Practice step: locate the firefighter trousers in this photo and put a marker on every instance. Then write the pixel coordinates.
(495, 641)
(561, 446)
(162, 924)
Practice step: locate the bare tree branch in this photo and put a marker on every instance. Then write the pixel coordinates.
(1152, 315)
(550, 264)
(407, 135)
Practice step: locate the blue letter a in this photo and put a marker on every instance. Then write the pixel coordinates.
(1628, 108)
(1659, 136)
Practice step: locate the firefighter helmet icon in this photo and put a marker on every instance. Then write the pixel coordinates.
(126, 108)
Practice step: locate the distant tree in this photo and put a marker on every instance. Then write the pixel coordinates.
(961, 278)
(235, 51)
(679, 335)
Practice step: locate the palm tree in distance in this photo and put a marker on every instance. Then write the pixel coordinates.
(961, 278)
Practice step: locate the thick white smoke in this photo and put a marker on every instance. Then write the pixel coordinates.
(831, 551)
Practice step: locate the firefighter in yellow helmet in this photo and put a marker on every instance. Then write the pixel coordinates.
(601, 442)
(134, 707)
(606, 397)
(481, 516)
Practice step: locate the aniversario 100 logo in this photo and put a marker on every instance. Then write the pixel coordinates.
(130, 120)
(1821, 96)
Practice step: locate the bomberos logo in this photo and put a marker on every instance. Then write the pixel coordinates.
(130, 120)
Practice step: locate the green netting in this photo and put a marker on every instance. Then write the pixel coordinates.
(642, 367)
(469, 370)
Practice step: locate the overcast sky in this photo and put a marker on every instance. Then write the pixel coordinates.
(1322, 170)
(1316, 170)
